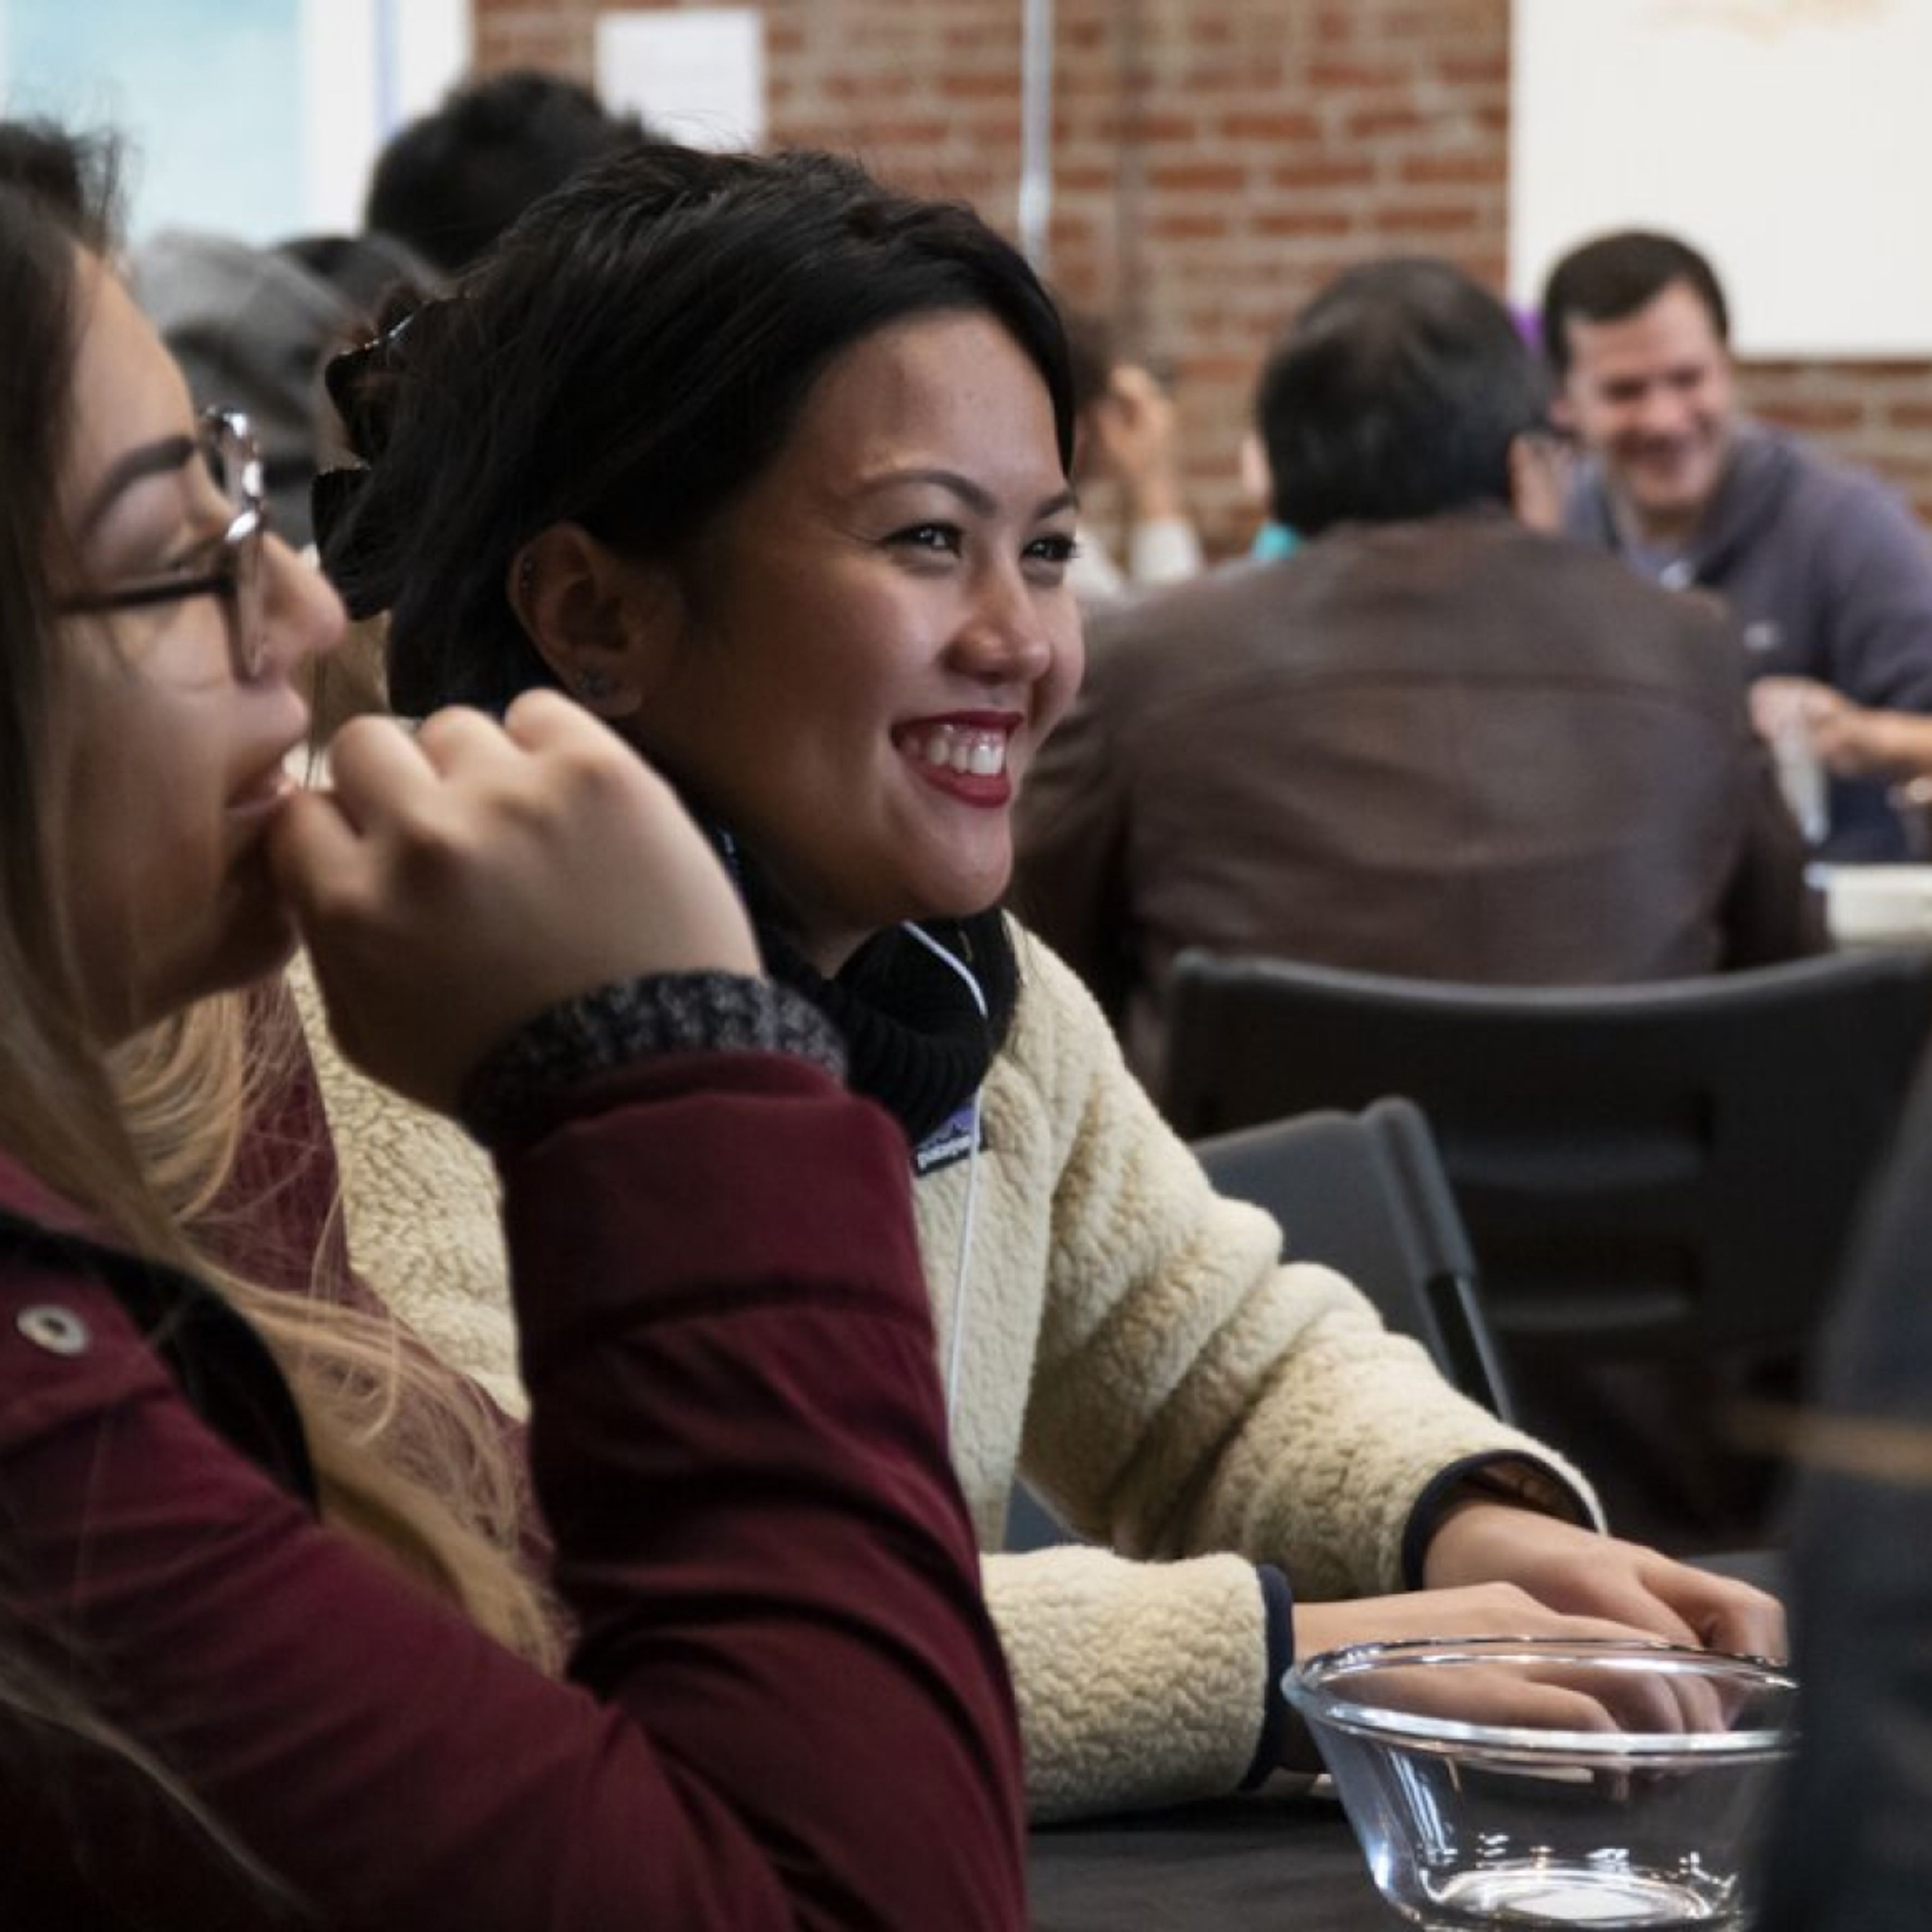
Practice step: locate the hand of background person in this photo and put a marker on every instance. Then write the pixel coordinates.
(1133, 427)
(455, 883)
(1782, 706)
(1853, 740)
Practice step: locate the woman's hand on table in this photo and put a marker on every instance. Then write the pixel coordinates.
(1565, 1568)
(1473, 1610)
(1505, 1695)
(1495, 1570)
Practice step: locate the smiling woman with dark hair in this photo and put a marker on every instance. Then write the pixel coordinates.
(767, 464)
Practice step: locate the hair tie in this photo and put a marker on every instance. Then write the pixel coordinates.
(333, 495)
(360, 382)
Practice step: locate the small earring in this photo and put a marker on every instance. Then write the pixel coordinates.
(592, 686)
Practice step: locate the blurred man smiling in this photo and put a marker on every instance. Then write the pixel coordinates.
(1825, 569)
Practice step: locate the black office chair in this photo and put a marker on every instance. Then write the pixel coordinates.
(1680, 1159)
(1656, 1180)
(1366, 1193)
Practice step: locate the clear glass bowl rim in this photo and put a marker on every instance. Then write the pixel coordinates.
(1309, 1687)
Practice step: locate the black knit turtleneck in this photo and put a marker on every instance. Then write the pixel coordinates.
(915, 1042)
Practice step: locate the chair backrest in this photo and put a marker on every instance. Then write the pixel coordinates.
(1657, 1163)
(1366, 1193)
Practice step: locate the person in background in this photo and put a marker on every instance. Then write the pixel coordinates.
(260, 1665)
(1124, 441)
(451, 181)
(1434, 742)
(767, 464)
(254, 325)
(1826, 569)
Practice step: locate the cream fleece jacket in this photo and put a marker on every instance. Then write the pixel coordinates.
(1129, 1340)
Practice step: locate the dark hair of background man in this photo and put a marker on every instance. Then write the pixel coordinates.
(1615, 275)
(451, 181)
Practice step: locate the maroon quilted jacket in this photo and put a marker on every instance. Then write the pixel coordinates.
(786, 1706)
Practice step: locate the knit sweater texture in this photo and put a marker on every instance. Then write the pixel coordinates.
(1129, 1341)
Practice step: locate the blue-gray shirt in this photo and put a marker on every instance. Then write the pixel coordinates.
(1828, 575)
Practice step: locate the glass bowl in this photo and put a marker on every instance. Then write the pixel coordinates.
(1624, 1785)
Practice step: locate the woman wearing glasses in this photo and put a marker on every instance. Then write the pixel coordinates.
(766, 465)
(259, 1661)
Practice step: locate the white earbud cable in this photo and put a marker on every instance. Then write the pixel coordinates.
(962, 1267)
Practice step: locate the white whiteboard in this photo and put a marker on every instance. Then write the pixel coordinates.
(1790, 140)
(697, 75)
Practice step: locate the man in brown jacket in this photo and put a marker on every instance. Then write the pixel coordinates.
(1434, 741)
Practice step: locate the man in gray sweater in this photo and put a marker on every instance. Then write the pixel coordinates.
(1825, 570)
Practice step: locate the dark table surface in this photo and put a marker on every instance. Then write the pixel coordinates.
(1274, 1859)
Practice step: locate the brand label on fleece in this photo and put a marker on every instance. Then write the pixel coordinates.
(950, 1142)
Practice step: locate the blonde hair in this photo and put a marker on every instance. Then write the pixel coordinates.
(409, 1457)
(409, 1460)
(406, 1453)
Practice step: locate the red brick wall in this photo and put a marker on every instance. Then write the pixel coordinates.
(1215, 160)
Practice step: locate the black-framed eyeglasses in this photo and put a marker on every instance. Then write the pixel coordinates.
(234, 464)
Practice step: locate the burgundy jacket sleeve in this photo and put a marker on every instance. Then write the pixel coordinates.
(787, 1707)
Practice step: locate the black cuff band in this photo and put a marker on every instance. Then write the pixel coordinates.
(1278, 1607)
(1504, 1476)
(668, 1012)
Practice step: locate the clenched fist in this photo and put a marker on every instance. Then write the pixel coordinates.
(452, 884)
